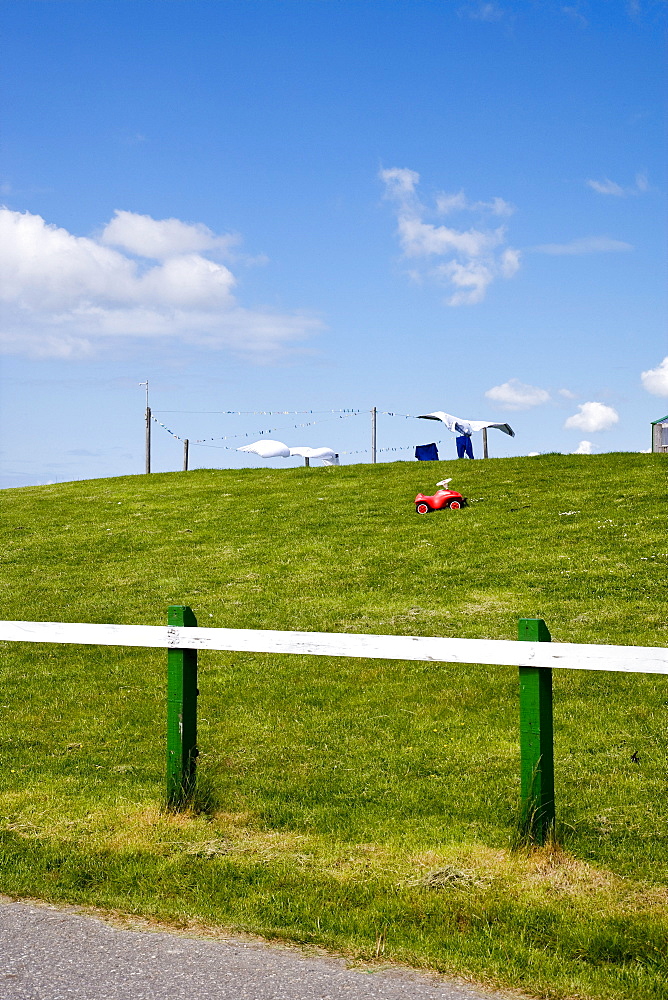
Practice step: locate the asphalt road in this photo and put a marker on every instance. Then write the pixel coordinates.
(54, 954)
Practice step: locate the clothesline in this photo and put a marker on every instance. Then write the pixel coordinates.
(342, 415)
(457, 425)
(259, 413)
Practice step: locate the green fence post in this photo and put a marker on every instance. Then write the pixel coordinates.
(536, 747)
(181, 713)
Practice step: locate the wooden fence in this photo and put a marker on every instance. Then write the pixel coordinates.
(533, 652)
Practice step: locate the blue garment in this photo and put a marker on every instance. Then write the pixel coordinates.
(426, 453)
(464, 446)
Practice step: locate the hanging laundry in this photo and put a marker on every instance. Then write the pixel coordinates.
(464, 446)
(426, 452)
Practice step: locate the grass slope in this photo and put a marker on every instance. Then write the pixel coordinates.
(367, 806)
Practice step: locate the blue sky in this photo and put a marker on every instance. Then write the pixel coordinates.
(319, 207)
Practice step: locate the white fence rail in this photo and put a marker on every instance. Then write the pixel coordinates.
(182, 643)
(564, 655)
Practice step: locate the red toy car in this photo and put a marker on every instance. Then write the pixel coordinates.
(441, 498)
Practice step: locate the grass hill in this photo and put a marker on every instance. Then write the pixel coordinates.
(365, 806)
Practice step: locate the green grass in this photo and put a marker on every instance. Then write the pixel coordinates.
(361, 805)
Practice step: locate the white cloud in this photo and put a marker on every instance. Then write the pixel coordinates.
(162, 238)
(586, 244)
(584, 448)
(576, 16)
(497, 205)
(471, 258)
(510, 262)
(567, 394)
(447, 203)
(481, 11)
(606, 186)
(471, 278)
(399, 181)
(68, 296)
(421, 239)
(655, 380)
(516, 395)
(592, 417)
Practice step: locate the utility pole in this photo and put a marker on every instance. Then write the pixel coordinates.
(373, 435)
(484, 443)
(148, 430)
(186, 444)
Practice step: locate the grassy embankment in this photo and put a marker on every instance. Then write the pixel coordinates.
(365, 806)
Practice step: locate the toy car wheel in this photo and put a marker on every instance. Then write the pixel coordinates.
(454, 505)
(422, 508)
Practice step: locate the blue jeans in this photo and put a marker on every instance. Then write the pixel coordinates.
(464, 446)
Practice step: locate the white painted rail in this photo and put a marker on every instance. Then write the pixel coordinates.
(564, 655)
